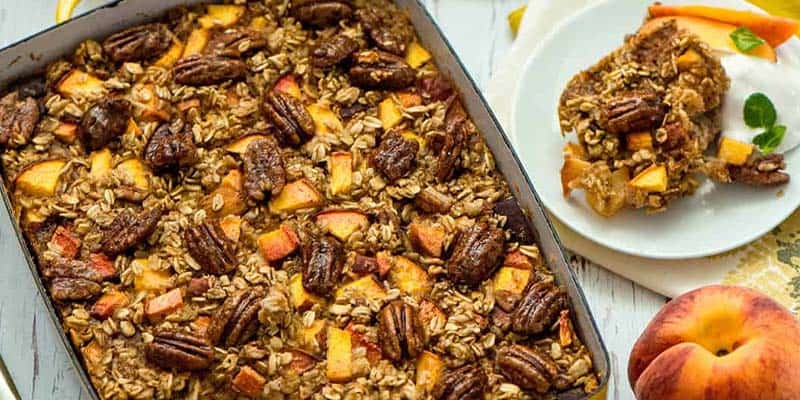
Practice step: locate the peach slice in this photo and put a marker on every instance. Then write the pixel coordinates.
(221, 15)
(159, 307)
(295, 196)
(511, 280)
(716, 34)
(102, 265)
(342, 223)
(571, 172)
(258, 23)
(363, 288)
(196, 42)
(150, 279)
(239, 146)
(688, 59)
(639, 140)
(409, 277)
(278, 244)
(312, 337)
(288, 84)
(232, 226)
(409, 99)
(389, 113)
(429, 371)
(109, 302)
(774, 30)
(249, 382)
(574, 150)
(426, 239)
(416, 55)
(340, 355)
(410, 135)
(302, 300)
(65, 242)
(516, 259)
(734, 151)
(99, 164)
(135, 171)
(168, 59)
(66, 132)
(150, 107)
(230, 190)
(77, 83)
(373, 351)
(341, 171)
(40, 178)
(609, 204)
(325, 120)
(652, 179)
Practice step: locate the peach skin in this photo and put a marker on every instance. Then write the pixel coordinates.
(715, 343)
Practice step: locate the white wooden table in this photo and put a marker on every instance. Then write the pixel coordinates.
(479, 32)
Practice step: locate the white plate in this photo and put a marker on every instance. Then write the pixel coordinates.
(716, 219)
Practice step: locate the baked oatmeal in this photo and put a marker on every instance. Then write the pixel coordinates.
(280, 201)
(645, 117)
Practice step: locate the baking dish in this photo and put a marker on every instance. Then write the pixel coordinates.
(32, 54)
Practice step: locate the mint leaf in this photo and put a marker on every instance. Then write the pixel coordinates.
(759, 112)
(745, 40)
(770, 139)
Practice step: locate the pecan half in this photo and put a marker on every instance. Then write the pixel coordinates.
(333, 50)
(400, 332)
(763, 171)
(450, 144)
(516, 221)
(199, 70)
(237, 320)
(322, 13)
(78, 269)
(129, 229)
(237, 42)
(539, 308)
(141, 42)
(168, 150)
(74, 289)
(466, 383)
(210, 247)
(18, 119)
(365, 265)
(390, 31)
(477, 253)
(435, 88)
(263, 168)
(634, 112)
(179, 351)
(527, 367)
(292, 121)
(395, 156)
(322, 265)
(433, 201)
(374, 69)
(106, 120)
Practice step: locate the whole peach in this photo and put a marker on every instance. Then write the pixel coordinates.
(715, 343)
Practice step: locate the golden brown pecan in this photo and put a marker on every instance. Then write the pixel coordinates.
(139, 43)
(74, 289)
(395, 156)
(516, 221)
(129, 229)
(322, 265)
(237, 320)
(527, 367)
(18, 118)
(539, 307)
(374, 69)
(477, 253)
(449, 145)
(435, 88)
(210, 247)
(263, 168)
(322, 13)
(106, 120)
(400, 332)
(634, 113)
(390, 31)
(292, 121)
(333, 50)
(466, 383)
(168, 150)
(199, 70)
(179, 351)
(237, 42)
(762, 171)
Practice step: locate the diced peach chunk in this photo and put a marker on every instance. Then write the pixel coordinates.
(688, 59)
(365, 288)
(65, 242)
(342, 223)
(258, 23)
(168, 59)
(409, 277)
(132, 128)
(340, 355)
(33, 217)
(416, 55)
(429, 371)
(160, 306)
(325, 120)
(40, 178)
(200, 325)
(359, 341)
(135, 171)
(639, 140)
(410, 135)
(150, 278)
(221, 15)
(341, 172)
(66, 132)
(652, 179)
(92, 354)
(573, 150)
(278, 244)
(511, 280)
(288, 84)
(385, 262)
(77, 83)
(516, 259)
(196, 43)
(109, 302)
(564, 329)
(99, 164)
(426, 239)
(230, 191)
(239, 146)
(102, 265)
(249, 382)
(232, 226)
(295, 196)
(301, 361)
(302, 300)
(313, 337)
(733, 151)
(572, 171)
(389, 113)
(409, 99)
(150, 107)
